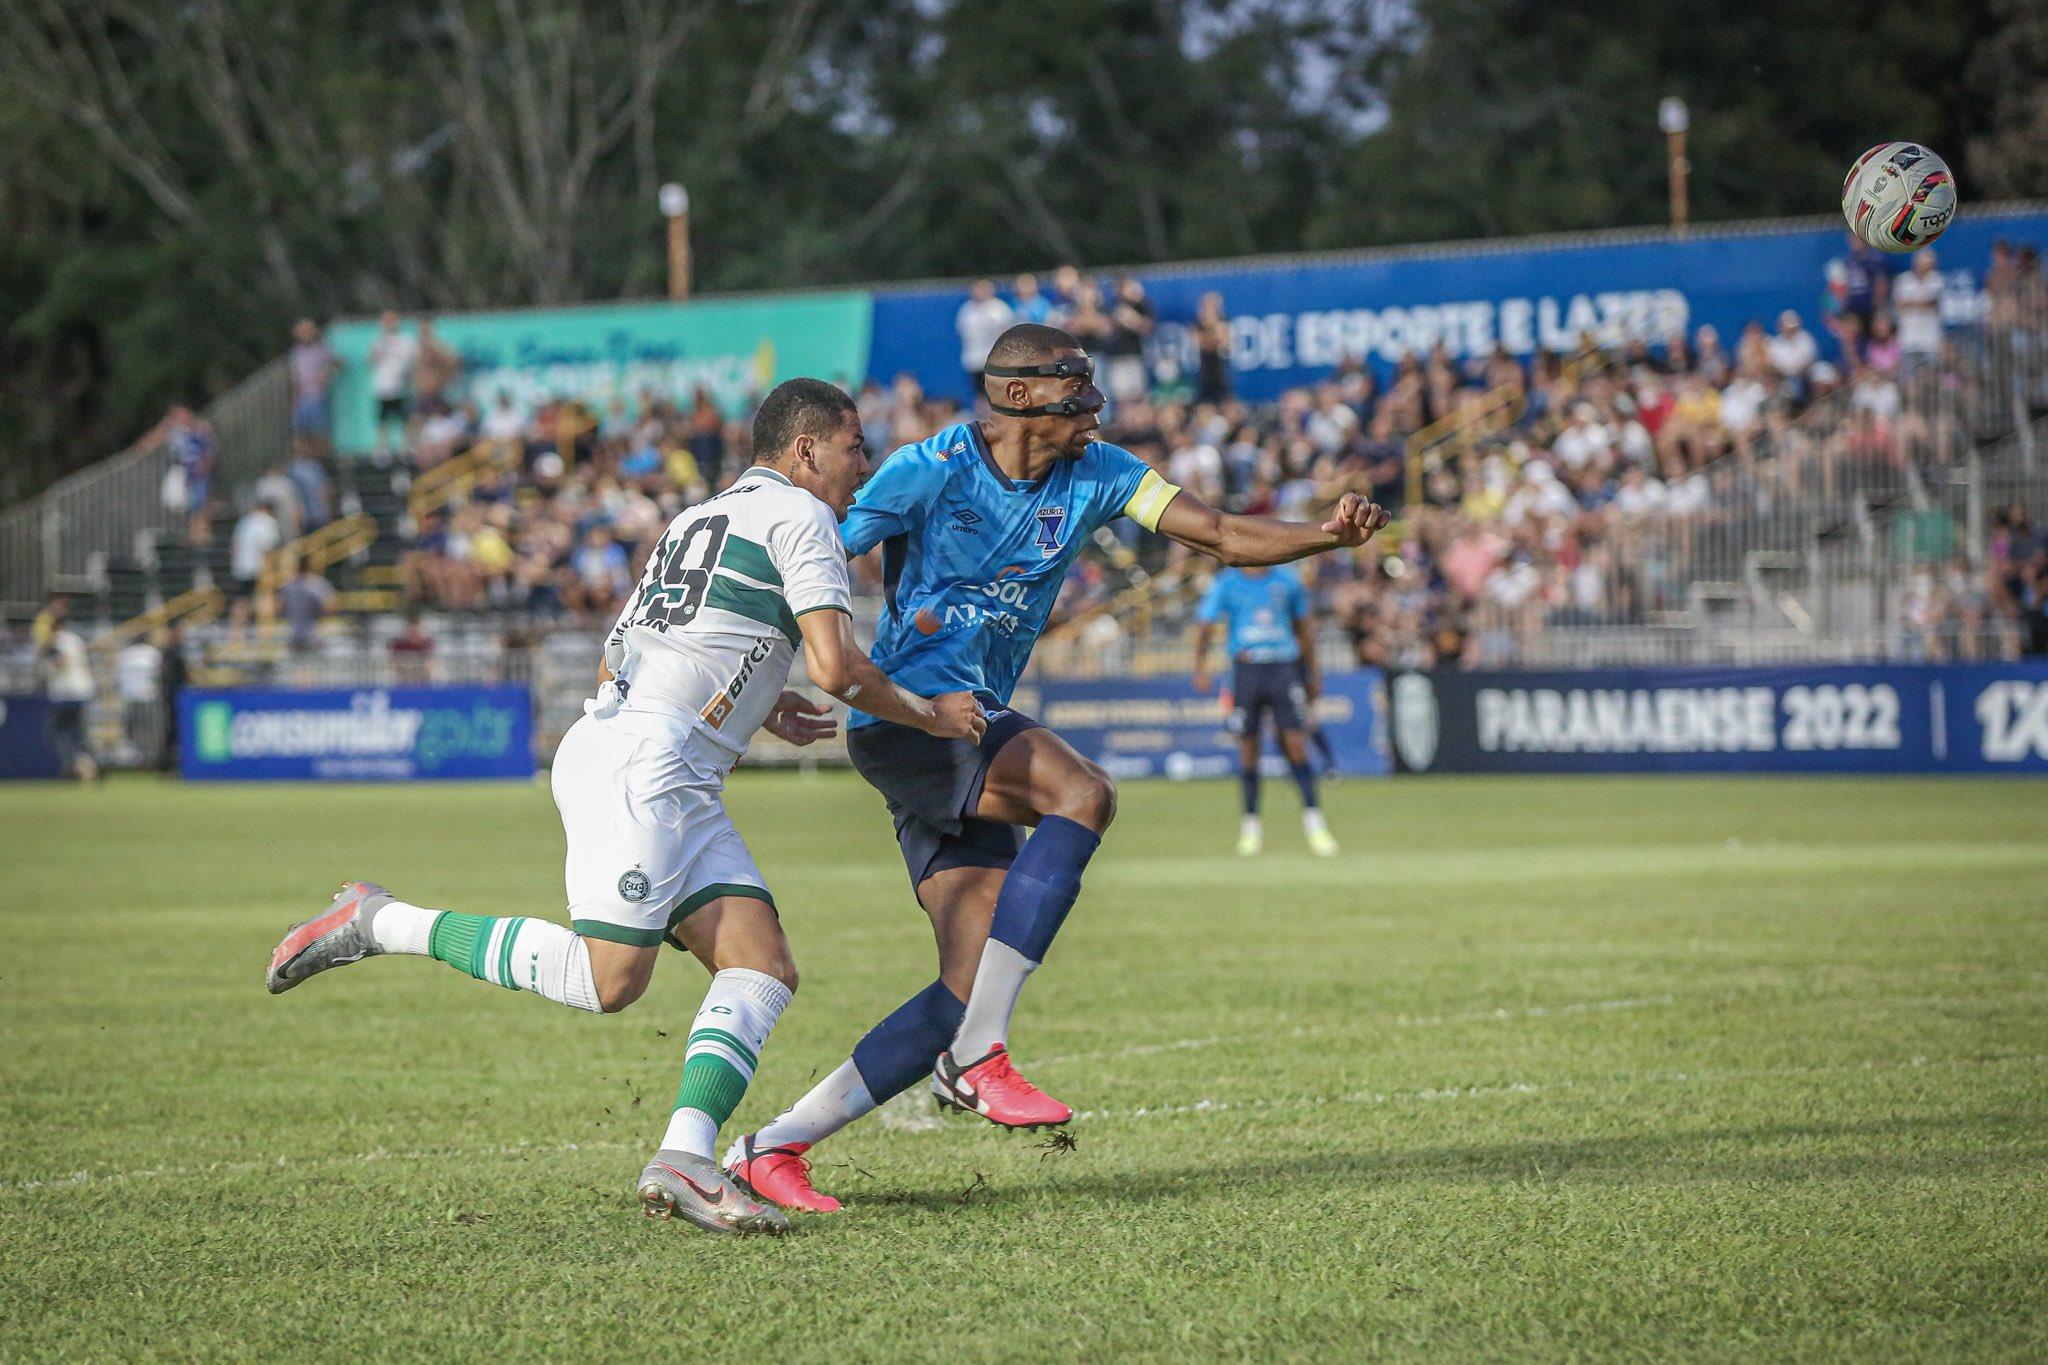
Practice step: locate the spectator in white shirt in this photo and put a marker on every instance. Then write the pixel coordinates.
(505, 422)
(138, 679)
(392, 356)
(1793, 352)
(1916, 296)
(1583, 441)
(981, 319)
(256, 535)
(1742, 404)
(67, 671)
(1639, 494)
(1197, 465)
(1876, 395)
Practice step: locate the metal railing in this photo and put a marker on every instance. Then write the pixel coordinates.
(63, 539)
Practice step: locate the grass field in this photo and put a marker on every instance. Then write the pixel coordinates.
(1715, 1069)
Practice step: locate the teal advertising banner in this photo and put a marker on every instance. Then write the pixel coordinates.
(736, 348)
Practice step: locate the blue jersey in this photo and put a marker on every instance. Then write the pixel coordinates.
(972, 561)
(1261, 609)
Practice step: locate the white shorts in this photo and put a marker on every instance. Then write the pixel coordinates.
(649, 839)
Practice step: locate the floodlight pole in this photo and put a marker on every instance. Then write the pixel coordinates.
(1673, 118)
(675, 206)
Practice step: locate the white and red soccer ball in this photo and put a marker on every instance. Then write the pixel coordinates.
(1899, 196)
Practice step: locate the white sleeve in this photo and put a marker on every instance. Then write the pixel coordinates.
(807, 552)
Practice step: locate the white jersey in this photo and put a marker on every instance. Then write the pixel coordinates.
(710, 630)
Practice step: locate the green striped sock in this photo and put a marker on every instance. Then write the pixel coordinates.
(711, 1085)
(719, 1061)
(480, 945)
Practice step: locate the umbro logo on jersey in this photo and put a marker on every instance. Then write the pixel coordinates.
(965, 518)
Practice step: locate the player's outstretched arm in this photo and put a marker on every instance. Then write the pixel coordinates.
(1241, 540)
(837, 663)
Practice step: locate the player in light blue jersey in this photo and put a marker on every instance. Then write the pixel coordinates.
(1270, 629)
(977, 527)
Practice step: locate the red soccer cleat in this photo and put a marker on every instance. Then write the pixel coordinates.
(779, 1175)
(992, 1088)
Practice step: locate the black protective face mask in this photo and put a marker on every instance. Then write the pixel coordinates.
(1089, 400)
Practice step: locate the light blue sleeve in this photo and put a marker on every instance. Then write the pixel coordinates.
(894, 499)
(1113, 475)
(1214, 602)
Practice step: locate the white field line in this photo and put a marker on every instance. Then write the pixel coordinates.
(1586, 1086)
(1492, 1016)
(285, 1163)
(1199, 1108)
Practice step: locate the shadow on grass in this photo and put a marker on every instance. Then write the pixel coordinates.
(1773, 1152)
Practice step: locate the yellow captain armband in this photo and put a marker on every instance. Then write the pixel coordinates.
(1148, 503)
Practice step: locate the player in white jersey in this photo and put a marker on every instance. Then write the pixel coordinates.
(693, 667)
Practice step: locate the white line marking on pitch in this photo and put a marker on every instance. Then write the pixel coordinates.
(1474, 1092)
(1500, 1015)
(1427, 1094)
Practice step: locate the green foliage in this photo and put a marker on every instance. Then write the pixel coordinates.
(179, 183)
(1570, 1069)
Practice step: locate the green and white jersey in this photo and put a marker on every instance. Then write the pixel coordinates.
(710, 631)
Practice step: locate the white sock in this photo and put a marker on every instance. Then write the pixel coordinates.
(690, 1130)
(1248, 827)
(832, 1103)
(552, 960)
(998, 983)
(402, 928)
(1312, 820)
(726, 1039)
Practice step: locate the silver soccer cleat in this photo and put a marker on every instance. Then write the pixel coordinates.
(683, 1185)
(334, 939)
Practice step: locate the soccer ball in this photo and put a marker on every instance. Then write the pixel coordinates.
(1899, 197)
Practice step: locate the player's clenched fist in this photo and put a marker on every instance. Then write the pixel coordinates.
(1355, 520)
(957, 715)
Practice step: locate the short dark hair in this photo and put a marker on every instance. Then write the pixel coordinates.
(798, 407)
(1028, 343)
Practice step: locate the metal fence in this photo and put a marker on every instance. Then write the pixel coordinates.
(64, 539)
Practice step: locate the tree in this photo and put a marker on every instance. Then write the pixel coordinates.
(178, 183)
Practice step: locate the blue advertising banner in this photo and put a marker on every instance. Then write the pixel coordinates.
(26, 746)
(373, 734)
(1163, 727)
(1876, 718)
(1294, 320)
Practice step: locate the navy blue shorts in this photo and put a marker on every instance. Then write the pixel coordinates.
(1257, 689)
(933, 785)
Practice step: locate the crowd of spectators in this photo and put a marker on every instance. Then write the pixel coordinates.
(1578, 504)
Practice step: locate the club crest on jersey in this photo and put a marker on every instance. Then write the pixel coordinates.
(1051, 521)
(634, 886)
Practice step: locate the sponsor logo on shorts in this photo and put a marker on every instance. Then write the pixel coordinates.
(634, 886)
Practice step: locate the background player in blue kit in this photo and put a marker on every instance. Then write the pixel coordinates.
(1270, 637)
(978, 525)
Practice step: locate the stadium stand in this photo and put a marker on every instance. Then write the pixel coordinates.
(1699, 499)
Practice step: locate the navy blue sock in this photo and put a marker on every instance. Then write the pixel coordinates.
(899, 1052)
(1248, 780)
(1043, 885)
(1305, 778)
(1321, 739)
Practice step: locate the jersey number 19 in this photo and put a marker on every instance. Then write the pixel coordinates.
(675, 590)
